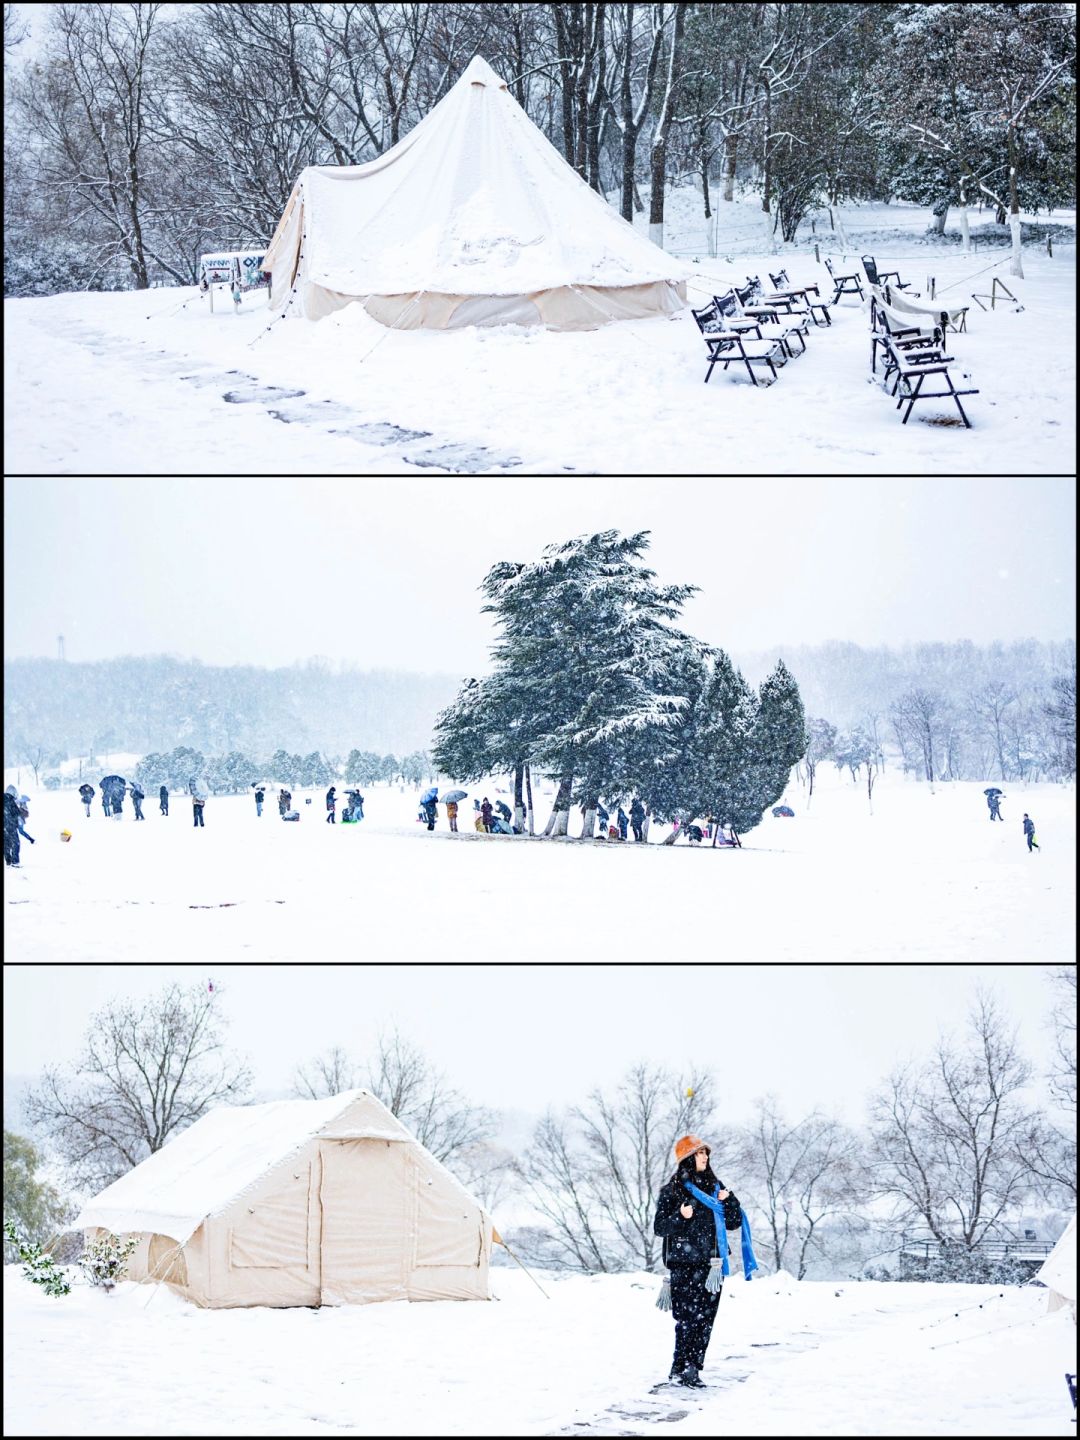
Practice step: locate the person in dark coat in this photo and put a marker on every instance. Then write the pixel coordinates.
(429, 810)
(623, 821)
(637, 818)
(260, 796)
(1029, 833)
(485, 814)
(163, 799)
(689, 1232)
(198, 802)
(284, 801)
(137, 797)
(331, 805)
(11, 826)
(86, 795)
(994, 800)
(504, 810)
(106, 804)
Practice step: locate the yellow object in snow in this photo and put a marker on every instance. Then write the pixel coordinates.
(65, 834)
(689, 1092)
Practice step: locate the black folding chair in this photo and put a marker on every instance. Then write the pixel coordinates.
(845, 284)
(880, 277)
(783, 286)
(728, 346)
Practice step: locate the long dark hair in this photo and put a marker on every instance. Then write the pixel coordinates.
(703, 1179)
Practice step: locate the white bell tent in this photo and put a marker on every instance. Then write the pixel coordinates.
(1058, 1270)
(474, 218)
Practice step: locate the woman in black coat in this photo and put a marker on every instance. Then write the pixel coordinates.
(690, 1242)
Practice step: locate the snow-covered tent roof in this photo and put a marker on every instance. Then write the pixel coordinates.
(474, 217)
(1058, 1271)
(205, 1168)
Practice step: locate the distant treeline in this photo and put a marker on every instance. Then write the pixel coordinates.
(154, 703)
(988, 701)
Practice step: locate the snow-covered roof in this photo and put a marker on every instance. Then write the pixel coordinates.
(1058, 1272)
(207, 1166)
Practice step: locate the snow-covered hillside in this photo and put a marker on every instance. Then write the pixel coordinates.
(786, 1358)
(927, 877)
(130, 382)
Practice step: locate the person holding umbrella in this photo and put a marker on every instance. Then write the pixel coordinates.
(137, 797)
(428, 801)
(86, 794)
(994, 798)
(112, 795)
(450, 799)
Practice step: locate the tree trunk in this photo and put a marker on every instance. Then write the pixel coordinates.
(645, 826)
(528, 793)
(560, 814)
(676, 832)
(519, 807)
(941, 209)
(658, 155)
(1016, 266)
(703, 153)
(731, 148)
(588, 826)
(629, 134)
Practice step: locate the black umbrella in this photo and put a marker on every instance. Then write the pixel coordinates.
(112, 781)
(993, 790)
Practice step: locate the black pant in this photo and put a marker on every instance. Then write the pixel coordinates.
(694, 1310)
(1032, 842)
(330, 818)
(637, 830)
(11, 845)
(198, 809)
(138, 810)
(164, 807)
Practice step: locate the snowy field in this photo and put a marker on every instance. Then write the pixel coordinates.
(128, 382)
(786, 1358)
(927, 877)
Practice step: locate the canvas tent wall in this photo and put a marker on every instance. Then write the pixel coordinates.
(299, 1202)
(1058, 1270)
(474, 218)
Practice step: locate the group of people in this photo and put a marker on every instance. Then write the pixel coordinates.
(354, 808)
(994, 798)
(618, 828)
(489, 819)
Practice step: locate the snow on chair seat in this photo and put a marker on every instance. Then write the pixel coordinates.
(910, 368)
(783, 286)
(729, 345)
(780, 310)
(731, 305)
(844, 284)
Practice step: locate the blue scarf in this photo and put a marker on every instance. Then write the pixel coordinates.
(717, 1207)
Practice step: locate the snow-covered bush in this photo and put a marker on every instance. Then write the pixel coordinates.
(39, 1268)
(105, 1261)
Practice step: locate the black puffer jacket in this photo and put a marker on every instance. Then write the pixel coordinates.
(693, 1241)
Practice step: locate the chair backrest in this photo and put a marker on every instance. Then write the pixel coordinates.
(828, 265)
(710, 318)
(780, 279)
(869, 264)
(753, 284)
(727, 305)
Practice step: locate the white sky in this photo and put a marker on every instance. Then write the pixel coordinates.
(385, 572)
(525, 1037)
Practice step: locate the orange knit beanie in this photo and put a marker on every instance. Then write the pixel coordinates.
(686, 1146)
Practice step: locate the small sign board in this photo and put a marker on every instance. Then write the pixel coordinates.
(241, 270)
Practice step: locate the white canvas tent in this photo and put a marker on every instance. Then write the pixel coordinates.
(298, 1202)
(474, 218)
(1058, 1270)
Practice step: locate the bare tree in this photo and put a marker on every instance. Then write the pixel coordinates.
(918, 720)
(803, 1177)
(440, 1117)
(328, 1074)
(1062, 1076)
(595, 1173)
(15, 30)
(945, 1140)
(149, 1070)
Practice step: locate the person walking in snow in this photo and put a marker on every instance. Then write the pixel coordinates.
(1029, 833)
(137, 797)
(331, 805)
(485, 814)
(24, 815)
(106, 802)
(994, 800)
(260, 796)
(284, 800)
(637, 818)
(198, 802)
(451, 814)
(11, 826)
(86, 795)
(623, 821)
(163, 800)
(689, 1228)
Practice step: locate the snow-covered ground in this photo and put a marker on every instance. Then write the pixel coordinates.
(927, 877)
(125, 383)
(786, 1359)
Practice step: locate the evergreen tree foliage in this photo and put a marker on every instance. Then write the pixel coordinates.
(31, 1203)
(39, 1268)
(363, 767)
(314, 770)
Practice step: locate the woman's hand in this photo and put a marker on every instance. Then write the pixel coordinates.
(722, 1194)
(686, 1211)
